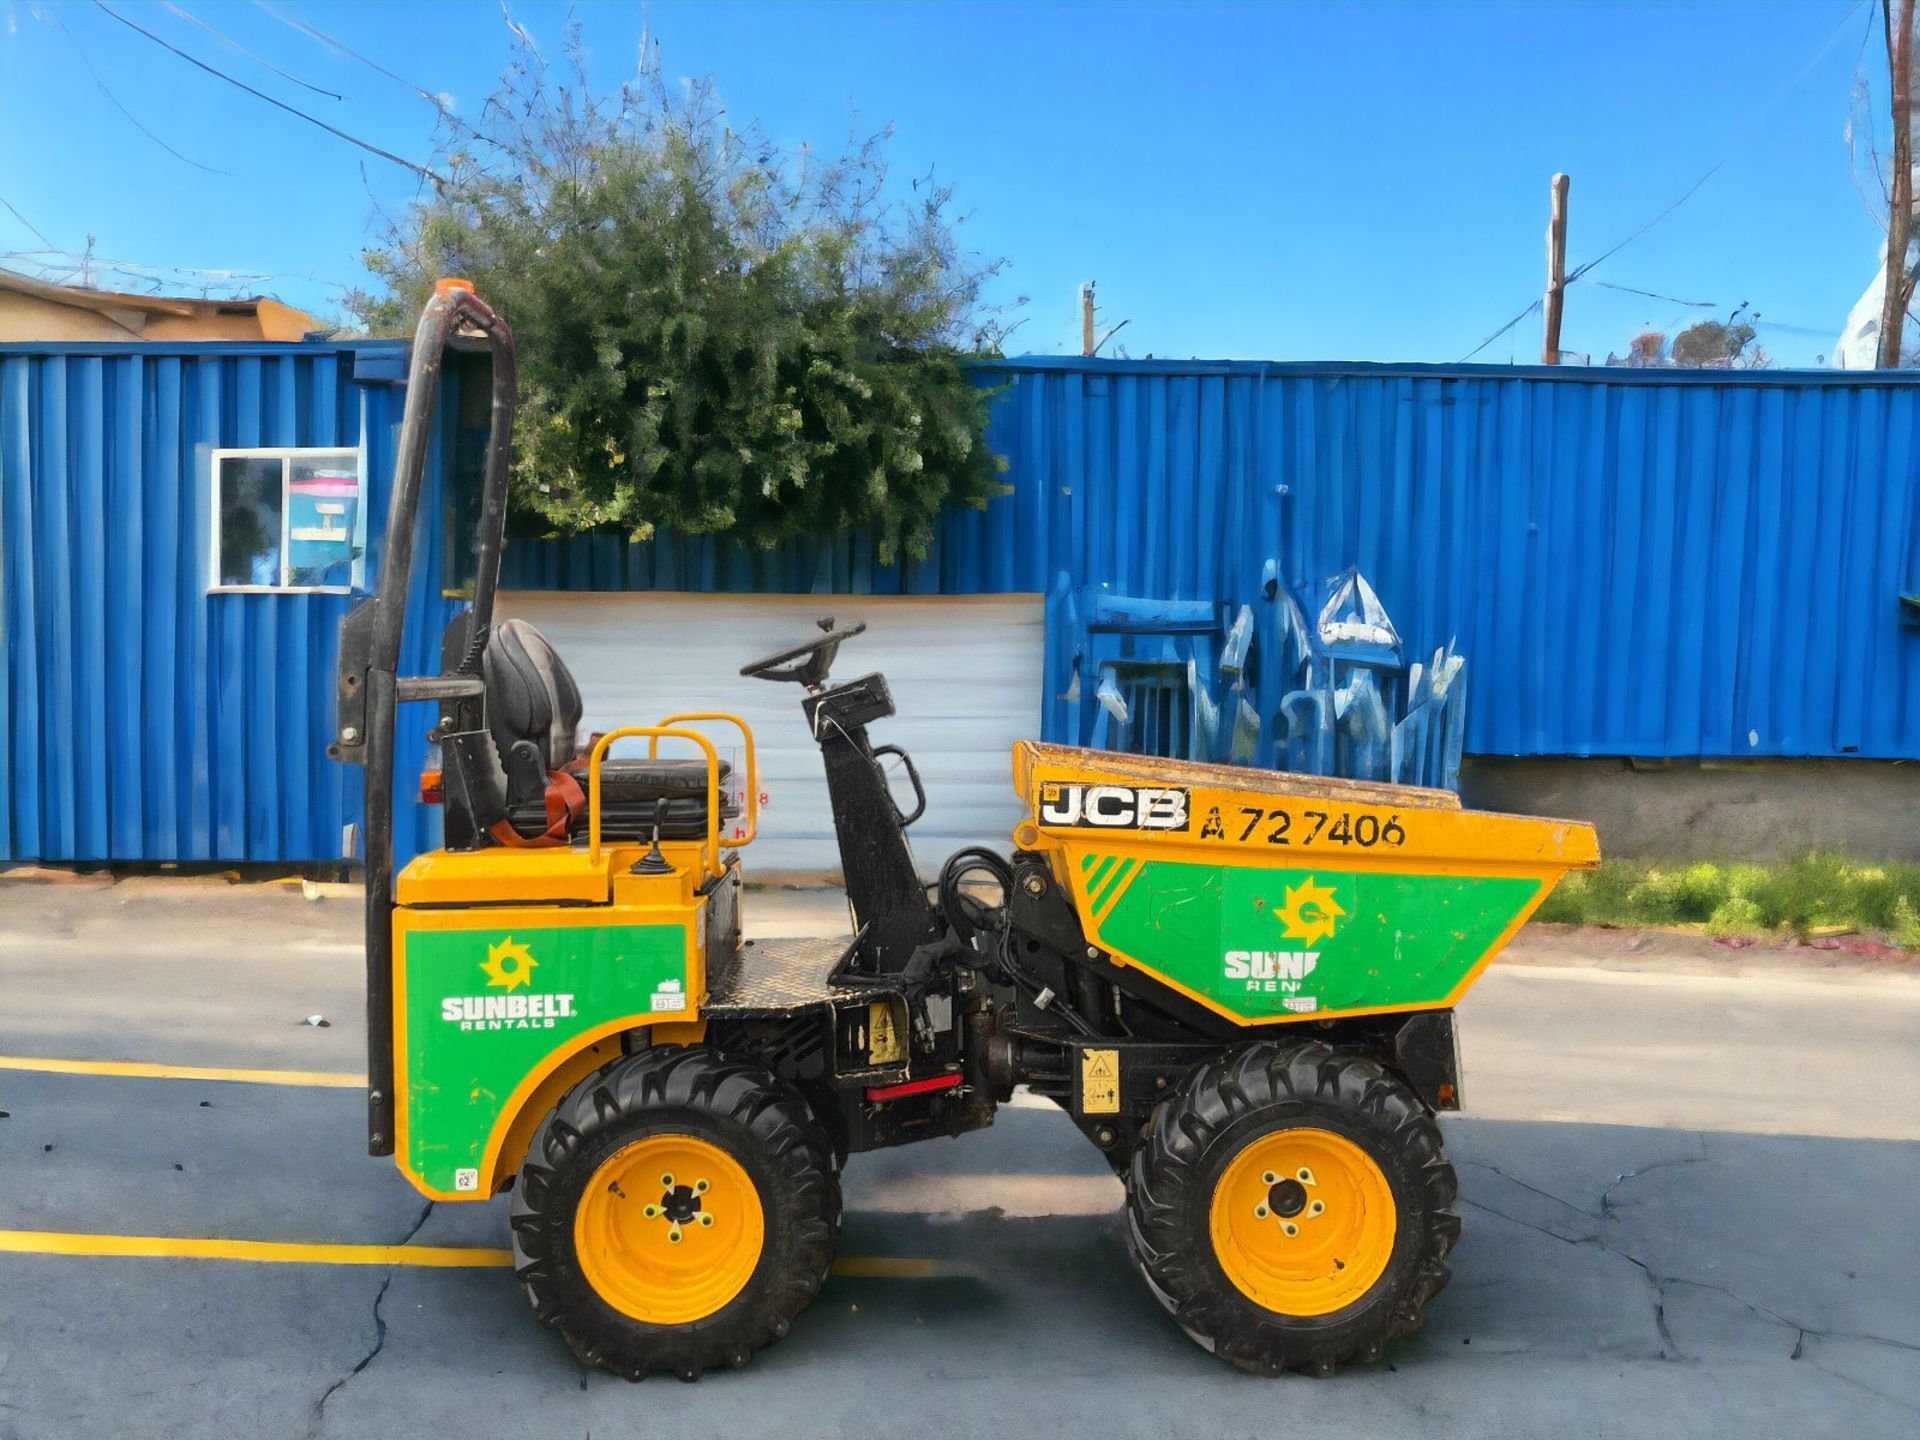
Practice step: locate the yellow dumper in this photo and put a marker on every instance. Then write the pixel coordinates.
(1236, 983)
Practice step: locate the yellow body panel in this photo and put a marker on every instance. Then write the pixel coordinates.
(446, 879)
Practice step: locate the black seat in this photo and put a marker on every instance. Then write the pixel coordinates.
(533, 712)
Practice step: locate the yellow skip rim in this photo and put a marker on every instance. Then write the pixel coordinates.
(669, 1229)
(1303, 1221)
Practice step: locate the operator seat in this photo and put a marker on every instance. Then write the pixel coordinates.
(533, 713)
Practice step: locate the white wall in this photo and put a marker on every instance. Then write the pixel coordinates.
(965, 674)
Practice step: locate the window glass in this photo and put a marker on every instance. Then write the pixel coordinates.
(288, 519)
(250, 499)
(323, 503)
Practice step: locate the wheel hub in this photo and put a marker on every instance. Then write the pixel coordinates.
(682, 1255)
(1303, 1221)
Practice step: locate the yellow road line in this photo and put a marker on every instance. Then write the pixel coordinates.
(272, 1252)
(142, 1070)
(276, 1252)
(884, 1267)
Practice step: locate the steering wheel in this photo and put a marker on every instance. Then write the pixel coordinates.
(811, 660)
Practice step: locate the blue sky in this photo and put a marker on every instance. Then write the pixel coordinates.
(1301, 181)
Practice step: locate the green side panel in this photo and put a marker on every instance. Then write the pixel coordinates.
(1267, 942)
(484, 1007)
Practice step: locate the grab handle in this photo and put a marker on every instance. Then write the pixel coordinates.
(711, 859)
(753, 770)
(919, 790)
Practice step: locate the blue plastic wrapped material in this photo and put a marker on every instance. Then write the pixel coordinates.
(1255, 682)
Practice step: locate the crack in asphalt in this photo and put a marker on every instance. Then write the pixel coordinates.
(1661, 1283)
(379, 1330)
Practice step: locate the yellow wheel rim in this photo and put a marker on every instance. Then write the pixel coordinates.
(1303, 1221)
(669, 1230)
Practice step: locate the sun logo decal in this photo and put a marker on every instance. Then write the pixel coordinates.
(1310, 912)
(508, 965)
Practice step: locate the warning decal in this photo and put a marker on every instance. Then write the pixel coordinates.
(1100, 1082)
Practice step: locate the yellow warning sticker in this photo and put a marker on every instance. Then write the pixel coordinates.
(1100, 1082)
(885, 1044)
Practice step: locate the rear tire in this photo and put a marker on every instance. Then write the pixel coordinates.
(675, 1212)
(1292, 1207)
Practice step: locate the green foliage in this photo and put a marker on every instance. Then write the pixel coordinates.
(1815, 891)
(714, 335)
(1904, 930)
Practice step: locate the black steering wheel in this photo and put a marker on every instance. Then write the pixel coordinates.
(810, 661)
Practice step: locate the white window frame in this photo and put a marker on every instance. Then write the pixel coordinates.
(286, 454)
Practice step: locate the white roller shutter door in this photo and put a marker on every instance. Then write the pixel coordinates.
(965, 674)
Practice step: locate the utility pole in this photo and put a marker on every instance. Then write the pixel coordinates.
(1557, 269)
(1086, 318)
(1899, 285)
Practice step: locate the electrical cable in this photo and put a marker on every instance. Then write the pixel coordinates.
(24, 221)
(295, 22)
(1654, 295)
(1786, 87)
(1498, 333)
(1580, 271)
(228, 40)
(334, 130)
(53, 17)
(438, 102)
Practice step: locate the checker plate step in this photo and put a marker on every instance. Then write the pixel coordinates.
(785, 974)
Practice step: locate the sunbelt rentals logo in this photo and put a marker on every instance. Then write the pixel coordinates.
(508, 967)
(1310, 915)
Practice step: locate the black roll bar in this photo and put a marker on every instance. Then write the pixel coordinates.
(370, 686)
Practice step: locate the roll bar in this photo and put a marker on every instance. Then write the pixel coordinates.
(369, 684)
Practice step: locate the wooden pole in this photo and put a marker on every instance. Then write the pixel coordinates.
(1557, 270)
(1086, 318)
(1899, 285)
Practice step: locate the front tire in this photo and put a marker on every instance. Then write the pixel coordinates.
(676, 1212)
(1292, 1207)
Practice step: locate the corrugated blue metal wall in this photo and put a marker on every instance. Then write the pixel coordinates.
(143, 718)
(1634, 562)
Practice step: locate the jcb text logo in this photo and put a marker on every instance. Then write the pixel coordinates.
(1114, 807)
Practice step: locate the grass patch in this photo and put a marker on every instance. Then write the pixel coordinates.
(1793, 897)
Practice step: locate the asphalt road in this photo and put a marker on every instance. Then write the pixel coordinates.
(1688, 1198)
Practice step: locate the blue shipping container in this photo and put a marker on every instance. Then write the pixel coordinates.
(1634, 562)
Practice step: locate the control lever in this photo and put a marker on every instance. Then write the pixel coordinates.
(653, 862)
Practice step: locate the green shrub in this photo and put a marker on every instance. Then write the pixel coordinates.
(1737, 916)
(1699, 890)
(1814, 891)
(1904, 930)
(1656, 898)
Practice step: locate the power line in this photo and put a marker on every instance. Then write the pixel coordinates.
(1756, 320)
(53, 17)
(1654, 295)
(1791, 83)
(277, 104)
(24, 221)
(1498, 333)
(235, 44)
(325, 39)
